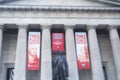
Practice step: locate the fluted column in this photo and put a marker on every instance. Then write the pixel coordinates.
(71, 54)
(115, 43)
(96, 63)
(20, 62)
(1, 38)
(46, 61)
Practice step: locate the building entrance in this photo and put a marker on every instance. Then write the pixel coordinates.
(10, 74)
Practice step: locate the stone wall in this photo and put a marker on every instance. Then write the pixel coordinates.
(9, 50)
(106, 53)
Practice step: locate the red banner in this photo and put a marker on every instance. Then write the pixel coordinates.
(82, 50)
(33, 61)
(57, 41)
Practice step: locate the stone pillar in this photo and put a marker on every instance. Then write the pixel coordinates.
(96, 63)
(20, 62)
(71, 54)
(1, 38)
(115, 43)
(46, 61)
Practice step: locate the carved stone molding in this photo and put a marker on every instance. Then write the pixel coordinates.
(45, 26)
(112, 27)
(91, 27)
(69, 27)
(1, 26)
(58, 8)
(22, 26)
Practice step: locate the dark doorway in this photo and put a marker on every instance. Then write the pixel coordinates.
(10, 74)
(105, 72)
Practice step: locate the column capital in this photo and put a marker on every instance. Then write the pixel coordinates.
(22, 26)
(1, 26)
(91, 27)
(69, 27)
(112, 27)
(45, 26)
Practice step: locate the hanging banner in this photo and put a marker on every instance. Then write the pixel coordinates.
(33, 61)
(82, 50)
(57, 41)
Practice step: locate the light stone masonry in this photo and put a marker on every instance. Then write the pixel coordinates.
(115, 43)
(96, 62)
(75, 15)
(1, 38)
(20, 62)
(71, 54)
(46, 60)
(65, 21)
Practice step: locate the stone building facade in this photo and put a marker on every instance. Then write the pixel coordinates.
(101, 22)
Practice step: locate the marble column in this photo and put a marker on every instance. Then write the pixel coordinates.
(115, 44)
(71, 54)
(96, 63)
(1, 38)
(20, 62)
(46, 60)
